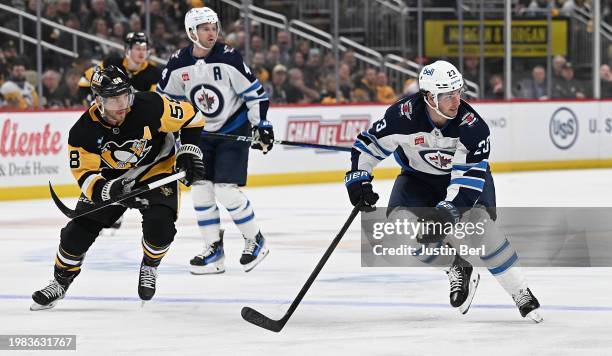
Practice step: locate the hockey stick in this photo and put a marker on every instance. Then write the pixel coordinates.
(276, 142)
(256, 318)
(72, 214)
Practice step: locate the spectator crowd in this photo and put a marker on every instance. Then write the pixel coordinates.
(292, 70)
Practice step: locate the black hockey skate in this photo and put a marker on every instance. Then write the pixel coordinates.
(146, 282)
(49, 296)
(254, 251)
(210, 261)
(528, 305)
(463, 283)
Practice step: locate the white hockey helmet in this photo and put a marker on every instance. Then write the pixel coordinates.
(197, 16)
(437, 78)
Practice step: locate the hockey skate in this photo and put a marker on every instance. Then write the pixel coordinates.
(210, 261)
(49, 296)
(528, 305)
(463, 283)
(146, 282)
(254, 252)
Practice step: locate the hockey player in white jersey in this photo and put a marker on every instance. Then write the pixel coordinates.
(442, 146)
(214, 77)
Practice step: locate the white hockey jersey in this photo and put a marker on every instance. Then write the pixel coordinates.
(220, 85)
(459, 150)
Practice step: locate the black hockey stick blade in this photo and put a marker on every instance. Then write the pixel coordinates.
(60, 205)
(256, 318)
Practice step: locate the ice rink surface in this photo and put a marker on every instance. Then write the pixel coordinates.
(349, 310)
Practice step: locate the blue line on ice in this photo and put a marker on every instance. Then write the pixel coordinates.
(347, 303)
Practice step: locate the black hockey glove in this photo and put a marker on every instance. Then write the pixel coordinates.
(136, 203)
(359, 188)
(442, 215)
(189, 159)
(113, 188)
(263, 136)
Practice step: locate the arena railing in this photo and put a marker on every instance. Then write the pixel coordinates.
(60, 27)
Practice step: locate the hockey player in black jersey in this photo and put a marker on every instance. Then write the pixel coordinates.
(442, 146)
(143, 74)
(123, 141)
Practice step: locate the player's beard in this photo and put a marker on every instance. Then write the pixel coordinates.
(116, 117)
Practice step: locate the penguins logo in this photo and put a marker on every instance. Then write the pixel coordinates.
(207, 99)
(126, 155)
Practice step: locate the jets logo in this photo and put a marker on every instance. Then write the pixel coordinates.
(126, 155)
(468, 119)
(207, 99)
(441, 160)
(406, 109)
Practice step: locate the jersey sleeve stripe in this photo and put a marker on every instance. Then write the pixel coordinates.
(482, 165)
(89, 183)
(263, 97)
(360, 147)
(378, 145)
(256, 84)
(472, 183)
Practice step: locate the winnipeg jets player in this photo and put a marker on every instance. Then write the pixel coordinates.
(214, 77)
(443, 147)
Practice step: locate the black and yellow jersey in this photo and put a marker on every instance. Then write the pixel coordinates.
(141, 148)
(144, 78)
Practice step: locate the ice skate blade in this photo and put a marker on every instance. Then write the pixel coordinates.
(465, 307)
(535, 316)
(262, 254)
(36, 307)
(208, 269)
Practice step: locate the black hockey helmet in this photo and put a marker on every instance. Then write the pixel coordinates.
(133, 38)
(110, 81)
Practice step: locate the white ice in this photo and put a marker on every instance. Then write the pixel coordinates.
(349, 310)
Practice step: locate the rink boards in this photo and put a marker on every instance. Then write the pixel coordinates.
(524, 136)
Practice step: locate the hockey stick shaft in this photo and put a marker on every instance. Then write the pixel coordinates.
(276, 142)
(261, 320)
(73, 214)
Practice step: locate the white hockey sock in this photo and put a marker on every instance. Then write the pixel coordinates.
(239, 208)
(512, 280)
(207, 212)
(500, 257)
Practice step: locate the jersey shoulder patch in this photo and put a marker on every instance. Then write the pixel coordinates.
(222, 53)
(472, 128)
(403, 114)
(181, 58)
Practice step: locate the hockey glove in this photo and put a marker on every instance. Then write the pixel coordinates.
(263, 136)
(136, 203)
(189, 159)
(443, 214)
(113, 188)
(359, 188)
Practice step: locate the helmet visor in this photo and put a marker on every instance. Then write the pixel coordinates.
(119, 102)
(448, 97)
